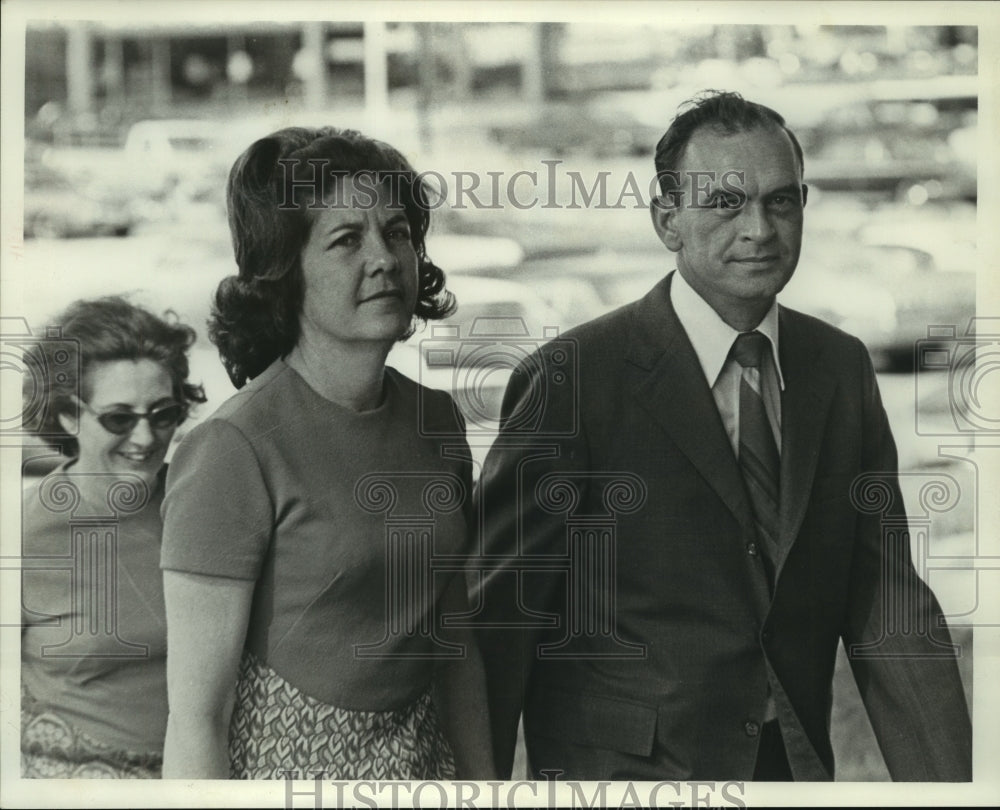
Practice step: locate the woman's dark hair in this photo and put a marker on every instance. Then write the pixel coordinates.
(93, 331)
(274, 189)
(724, 112)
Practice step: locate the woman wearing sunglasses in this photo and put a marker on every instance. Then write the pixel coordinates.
(300, 519)
(93, 640)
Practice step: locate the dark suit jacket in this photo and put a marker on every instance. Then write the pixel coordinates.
(650, 657)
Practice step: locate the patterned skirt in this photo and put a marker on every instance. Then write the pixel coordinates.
(52, 748)
(279, 732)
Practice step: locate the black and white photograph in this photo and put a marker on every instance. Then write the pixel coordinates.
(507, 404)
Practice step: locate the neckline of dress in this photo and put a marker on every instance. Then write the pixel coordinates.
(388, 388)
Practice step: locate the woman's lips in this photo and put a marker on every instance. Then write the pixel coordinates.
(382, 294)
(138, 457)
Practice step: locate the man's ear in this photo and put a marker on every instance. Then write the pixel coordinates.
(663, 212)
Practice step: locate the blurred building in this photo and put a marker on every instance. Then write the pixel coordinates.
(93, 78)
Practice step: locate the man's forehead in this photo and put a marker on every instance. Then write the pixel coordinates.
(713, 149)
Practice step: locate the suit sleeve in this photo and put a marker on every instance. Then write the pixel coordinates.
(539, 435)
(906, 673)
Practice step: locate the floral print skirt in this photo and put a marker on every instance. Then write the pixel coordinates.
(279, 732)
(52, 748)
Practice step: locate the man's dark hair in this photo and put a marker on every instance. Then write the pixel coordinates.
(722, 112)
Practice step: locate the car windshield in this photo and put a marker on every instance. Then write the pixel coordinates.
(190, 143)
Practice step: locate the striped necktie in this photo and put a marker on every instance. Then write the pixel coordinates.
(758, 453)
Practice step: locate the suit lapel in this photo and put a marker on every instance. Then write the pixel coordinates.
(805, 405)
(675, 393)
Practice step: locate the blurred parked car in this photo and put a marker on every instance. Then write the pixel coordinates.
(190, 155)
(168, 169)
(597, 128)
(938, 288)
(55, 207)
(905, 139)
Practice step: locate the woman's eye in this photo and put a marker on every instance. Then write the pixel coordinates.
(347, 240)
(400, 234)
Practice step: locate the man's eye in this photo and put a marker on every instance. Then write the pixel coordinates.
(400, 234)
(782, 201)
(727, 202)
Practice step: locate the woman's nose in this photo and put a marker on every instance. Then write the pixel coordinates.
(380, 257)
(142, 434)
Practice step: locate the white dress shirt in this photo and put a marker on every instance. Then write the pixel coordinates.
(712, 338)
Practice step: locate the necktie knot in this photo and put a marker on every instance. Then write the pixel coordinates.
(748, 349)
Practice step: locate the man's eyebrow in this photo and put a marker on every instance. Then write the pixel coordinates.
(790, 188)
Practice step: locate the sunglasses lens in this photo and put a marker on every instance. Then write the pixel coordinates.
(122, 422)
(119, 422)
(166, 417)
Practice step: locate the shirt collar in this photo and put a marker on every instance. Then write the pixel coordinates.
(712, 337)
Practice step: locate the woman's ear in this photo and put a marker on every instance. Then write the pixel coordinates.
(69, 422)
(68, 419)
(663, 211)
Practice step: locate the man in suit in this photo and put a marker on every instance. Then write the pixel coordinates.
(707, 461)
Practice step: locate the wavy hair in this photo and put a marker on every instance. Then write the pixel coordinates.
(91, 332)
(273, 190)
(724, 112)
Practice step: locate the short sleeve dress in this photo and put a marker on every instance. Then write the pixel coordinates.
(350, 525)
(94, 635)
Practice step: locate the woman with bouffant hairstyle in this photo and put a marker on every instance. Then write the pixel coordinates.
(283, 575)
(274, 190)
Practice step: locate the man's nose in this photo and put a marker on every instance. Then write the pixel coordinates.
(755, 222)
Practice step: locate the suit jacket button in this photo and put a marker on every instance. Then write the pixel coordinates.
(752, 549)
(751, 728)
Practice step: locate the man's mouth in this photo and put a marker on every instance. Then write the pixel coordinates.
(756, 259)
